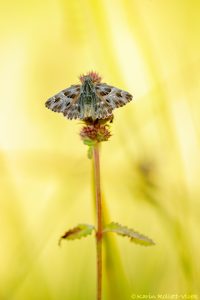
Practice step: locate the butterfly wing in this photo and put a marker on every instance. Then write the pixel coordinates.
(66, 102)
(109, 98)
(70, 102)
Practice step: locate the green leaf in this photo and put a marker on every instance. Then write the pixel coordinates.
(130, 233)
(89, 142)
(89, 153)
(81, 230)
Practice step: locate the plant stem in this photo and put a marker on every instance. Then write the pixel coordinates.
(99, 219)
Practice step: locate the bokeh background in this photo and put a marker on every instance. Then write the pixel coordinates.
(150, 167)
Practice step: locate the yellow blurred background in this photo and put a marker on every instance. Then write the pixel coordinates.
(150, 167)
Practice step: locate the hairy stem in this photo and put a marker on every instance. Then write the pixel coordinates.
(99, 219)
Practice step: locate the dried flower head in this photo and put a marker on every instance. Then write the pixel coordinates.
(93, 75)
(96, 133)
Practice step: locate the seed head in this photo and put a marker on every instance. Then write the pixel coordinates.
(95, 132)
(93, 75)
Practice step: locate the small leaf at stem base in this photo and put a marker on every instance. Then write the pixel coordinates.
(134, 236)
(89, 142)
(89, 153)
(81, 230)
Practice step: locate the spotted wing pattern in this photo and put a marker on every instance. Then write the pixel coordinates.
(109, 98)
(66, 102)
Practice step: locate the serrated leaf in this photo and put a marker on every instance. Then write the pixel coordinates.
(134, 236)
(81, 230)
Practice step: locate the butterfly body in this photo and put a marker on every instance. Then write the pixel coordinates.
(92, 99)
(88, 99)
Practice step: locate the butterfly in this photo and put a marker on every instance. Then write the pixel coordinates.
(90, 99)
